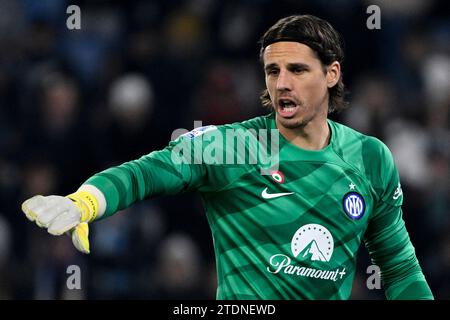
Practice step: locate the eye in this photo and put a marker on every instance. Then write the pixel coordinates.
(272, 72)
(298, 70)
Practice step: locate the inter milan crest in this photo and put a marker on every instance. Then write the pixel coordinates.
(354, 205)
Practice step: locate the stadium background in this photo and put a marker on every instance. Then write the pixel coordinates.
(74, 102)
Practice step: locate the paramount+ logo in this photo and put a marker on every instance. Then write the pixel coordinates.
(311, 242)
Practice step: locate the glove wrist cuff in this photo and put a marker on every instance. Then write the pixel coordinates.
(87, 204)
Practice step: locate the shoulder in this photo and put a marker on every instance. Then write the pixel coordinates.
(222, 137)
(247, 129)
(368, 154)
(260, 122)
(208, 131)
(372, 158)
(349, 142)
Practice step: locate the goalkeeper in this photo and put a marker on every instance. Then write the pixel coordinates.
(290, 234)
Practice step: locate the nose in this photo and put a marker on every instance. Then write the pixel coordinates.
(284, 81)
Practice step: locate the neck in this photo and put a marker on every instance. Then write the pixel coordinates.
(315, 135)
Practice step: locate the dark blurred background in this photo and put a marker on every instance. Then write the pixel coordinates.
(74, 102)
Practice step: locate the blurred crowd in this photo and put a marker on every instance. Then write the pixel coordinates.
(74, 102)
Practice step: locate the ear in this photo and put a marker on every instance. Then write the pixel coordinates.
(333, 74)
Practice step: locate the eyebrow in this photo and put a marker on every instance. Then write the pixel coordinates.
(289, 66)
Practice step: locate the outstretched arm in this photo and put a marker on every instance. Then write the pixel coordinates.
(152, 175)
(114, 189)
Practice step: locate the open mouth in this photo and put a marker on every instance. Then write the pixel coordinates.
(287, 108)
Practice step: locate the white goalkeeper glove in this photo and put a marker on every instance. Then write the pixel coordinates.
(64, 214)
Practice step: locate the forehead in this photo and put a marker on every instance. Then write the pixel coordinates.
(288, 52)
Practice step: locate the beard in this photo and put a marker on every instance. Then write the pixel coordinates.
(293, 123)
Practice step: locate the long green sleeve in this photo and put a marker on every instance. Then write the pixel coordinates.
(151, 175)
(390, 248)
(387, 238)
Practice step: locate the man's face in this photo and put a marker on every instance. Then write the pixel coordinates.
(297, 83)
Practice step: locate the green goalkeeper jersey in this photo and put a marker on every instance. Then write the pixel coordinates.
(286, 223)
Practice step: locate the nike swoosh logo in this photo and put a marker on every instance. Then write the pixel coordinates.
(267, 195)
